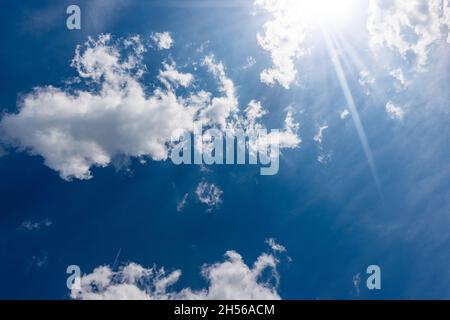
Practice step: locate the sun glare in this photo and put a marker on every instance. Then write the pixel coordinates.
(324, 12)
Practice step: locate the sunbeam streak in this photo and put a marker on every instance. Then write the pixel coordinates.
(355, 114)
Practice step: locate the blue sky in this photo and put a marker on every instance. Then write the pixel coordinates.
(335, 207)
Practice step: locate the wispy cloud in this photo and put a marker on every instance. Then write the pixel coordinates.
(36, 225)
(182, 203)
(319, 136)
(276, 247)
(209, 194)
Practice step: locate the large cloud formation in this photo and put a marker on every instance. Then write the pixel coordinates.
(409, 27)
(110, 113)
(406, 33)
(231, 279)
(284, 38)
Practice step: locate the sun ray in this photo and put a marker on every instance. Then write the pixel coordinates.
(354, 111)
(376, 91)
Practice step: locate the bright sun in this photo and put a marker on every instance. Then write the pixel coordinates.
(325, 12)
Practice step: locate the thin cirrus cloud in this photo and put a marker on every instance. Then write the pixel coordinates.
(182, 203)
(113, 116)
(30, 225)
(231, 279)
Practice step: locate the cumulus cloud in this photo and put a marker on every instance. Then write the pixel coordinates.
(406, 35)
(162, 40)
(223, 107)
(284, 37)
(394, 111)
(231, 279)
(74, 131)
(409, 28)
(209, 194)
(287, 137)
(109, 113)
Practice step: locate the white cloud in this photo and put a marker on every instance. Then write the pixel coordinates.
(209, 194)
(74, 131)
(366, 81)
(249, 63)
(345, 114)
(409, 27)
(113, 115)
(394, 111)
(170, 76)
(399, 75)
(231, 279)
(287, 137)
(284, 38)
(406, 35)
(254, 111)
(221, 107)
(324, 158)
(319, 136)
(275, 246)
(162, 40)
(446, 18)
(36, 225)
